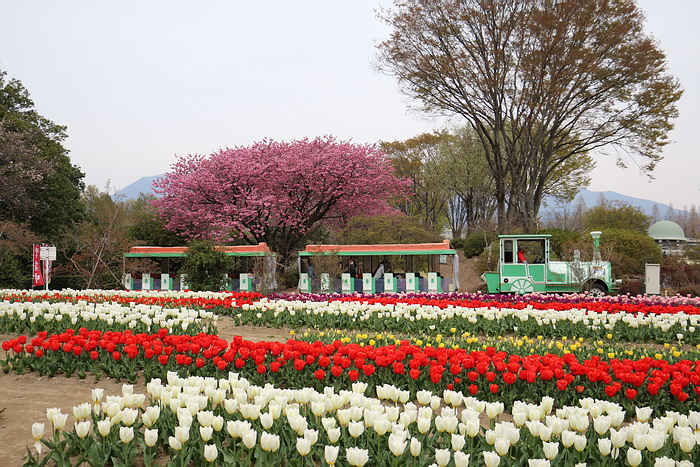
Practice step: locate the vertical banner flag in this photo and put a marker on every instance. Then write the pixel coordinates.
(37, 278)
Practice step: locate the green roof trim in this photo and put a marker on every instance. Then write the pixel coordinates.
(381, 253)
(527, 237)
(182, 255)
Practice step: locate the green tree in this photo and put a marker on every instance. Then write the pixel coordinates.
(559, 237)
(148, 228)
(56, 200)
(616, 216)
(540, 82)
(391, 228)
(420, 160)
(205, 266)
(465, 172)
(629, 251)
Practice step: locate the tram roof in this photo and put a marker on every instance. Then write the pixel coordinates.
(403, 249)
(261, 249)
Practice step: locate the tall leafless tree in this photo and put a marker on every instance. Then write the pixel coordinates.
(540, 81)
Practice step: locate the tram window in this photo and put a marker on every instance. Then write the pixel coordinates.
(508, 251)
(533, 250)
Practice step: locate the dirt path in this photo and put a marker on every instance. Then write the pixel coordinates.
(25, 398)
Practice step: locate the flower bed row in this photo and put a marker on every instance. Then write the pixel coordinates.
(489, 373)
(160, 298)
(416, 318)
(530, 298)
(626, 303)
(23, 317)
(519, 344)
(230, 421)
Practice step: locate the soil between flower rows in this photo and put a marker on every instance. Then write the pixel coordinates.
(25, 398)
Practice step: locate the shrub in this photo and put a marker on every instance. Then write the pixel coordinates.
(629, 251)
(457, 243)
(559, 238)
(475, 243)
(388, 228)
(206, 266)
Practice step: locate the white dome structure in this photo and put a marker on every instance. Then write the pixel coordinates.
(669, 236)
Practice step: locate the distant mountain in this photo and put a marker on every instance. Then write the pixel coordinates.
(142, 185)
(591, 198)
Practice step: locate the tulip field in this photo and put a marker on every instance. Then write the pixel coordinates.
(387, 379)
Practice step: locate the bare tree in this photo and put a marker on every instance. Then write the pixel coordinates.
(540, 81)
(419, 160)
(567, 217)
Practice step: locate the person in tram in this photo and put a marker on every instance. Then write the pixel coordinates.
(352, 268)
(379, 273)
(521, 256)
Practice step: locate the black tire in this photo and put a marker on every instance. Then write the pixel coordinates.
(597, 290)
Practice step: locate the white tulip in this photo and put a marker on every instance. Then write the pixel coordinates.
(129, 416)
(501, 445)
(357, 457)
(205, 417)
(126, 434)
(442, 457)
(618, 437)
(334, 434)
(218, 423)
(494, 409)
(538, 463)
(664, 462)
(311, 435)
(397, 445)
(97, 394)
(82, 428)
(457, 442)
(643, 413)
(604, 446)
(269, 442)
(473, 427)
(82, 411)
(182, 434)
(211, 452)
(174, 443)
(602, 424)
(206, 433)
(104, 427)
(655, 440)
(461, 459)
(356, 429)
(250, 438)
(686, 443)
(37, 431)
(423, 424)
(150, 437)
(491, 459)
(303, 446)
(634, 457)
(490, 437)
(550, 450)
(415, 447)
(330, 453)
(59, 421)
(568, 438)
(266, 420)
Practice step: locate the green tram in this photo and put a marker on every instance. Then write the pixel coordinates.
(524, 266)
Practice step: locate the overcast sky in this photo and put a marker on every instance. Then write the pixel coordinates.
(138, 82)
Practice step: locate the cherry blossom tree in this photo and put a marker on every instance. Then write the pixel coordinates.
(276, 192)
